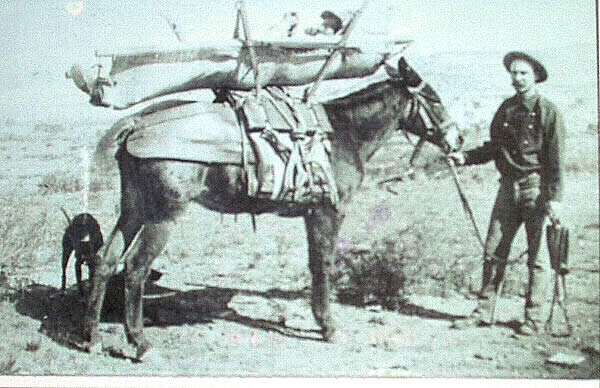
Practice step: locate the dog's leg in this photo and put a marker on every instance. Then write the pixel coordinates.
(78, 265)
(67, 248)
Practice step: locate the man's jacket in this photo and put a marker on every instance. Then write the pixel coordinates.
(526, 136)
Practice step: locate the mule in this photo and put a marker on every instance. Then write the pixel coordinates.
(155, 192)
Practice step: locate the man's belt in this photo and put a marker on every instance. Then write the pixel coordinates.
(509, 159)
(526, 181)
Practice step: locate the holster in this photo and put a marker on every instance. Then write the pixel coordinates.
(557, 236)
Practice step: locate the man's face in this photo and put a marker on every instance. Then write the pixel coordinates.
(522, 75)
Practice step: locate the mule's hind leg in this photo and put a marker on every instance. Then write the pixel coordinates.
(152, 241)
(105, 265)
(322, 227)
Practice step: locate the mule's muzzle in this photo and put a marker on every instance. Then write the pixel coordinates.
(451, 138)
(459, 143)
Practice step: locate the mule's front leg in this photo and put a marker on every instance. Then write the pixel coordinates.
(322, 227)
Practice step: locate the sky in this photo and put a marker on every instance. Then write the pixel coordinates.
(41, 39)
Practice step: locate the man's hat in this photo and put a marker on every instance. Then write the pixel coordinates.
(332, 20)
(540, 72)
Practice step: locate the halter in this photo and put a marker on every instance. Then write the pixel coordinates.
(418, 106)
(435, 126)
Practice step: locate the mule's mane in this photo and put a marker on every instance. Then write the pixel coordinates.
(373, 90)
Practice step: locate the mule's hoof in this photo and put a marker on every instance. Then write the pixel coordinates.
(329, 335)
(93, 347)
(143, 351)
(92, 339)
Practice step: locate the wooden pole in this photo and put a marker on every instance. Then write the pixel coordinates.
(336, 52)
(249, 43)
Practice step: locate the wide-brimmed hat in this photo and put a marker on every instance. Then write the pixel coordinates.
(539, 70)
(332, 20)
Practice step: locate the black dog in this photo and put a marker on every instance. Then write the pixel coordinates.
(83, 235)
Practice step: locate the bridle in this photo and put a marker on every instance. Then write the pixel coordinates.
(417, 107)
(435, 126)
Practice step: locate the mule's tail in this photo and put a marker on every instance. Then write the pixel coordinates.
(66, 215)
(104, 156)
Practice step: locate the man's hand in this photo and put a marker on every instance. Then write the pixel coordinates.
(553, 209)
(457, 157)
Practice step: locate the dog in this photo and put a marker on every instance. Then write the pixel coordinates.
(84, 237)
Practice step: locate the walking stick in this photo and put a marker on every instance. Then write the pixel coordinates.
(557, 237)
(557, 298)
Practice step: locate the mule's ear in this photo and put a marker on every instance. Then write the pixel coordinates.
(407, 74)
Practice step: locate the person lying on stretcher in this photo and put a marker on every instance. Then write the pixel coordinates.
(330, 25)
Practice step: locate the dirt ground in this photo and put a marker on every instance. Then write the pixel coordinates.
(233, 302)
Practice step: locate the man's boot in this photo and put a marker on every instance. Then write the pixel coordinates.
(535, 298)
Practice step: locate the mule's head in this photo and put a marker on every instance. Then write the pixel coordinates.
(424, 114)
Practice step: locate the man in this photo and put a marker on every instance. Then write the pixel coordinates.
(527, 145)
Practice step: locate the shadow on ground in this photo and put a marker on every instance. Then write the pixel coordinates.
(416, 310)
(61, 314)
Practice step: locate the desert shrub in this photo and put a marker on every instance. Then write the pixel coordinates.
(381, 273)
(22, 235)
(424, 258)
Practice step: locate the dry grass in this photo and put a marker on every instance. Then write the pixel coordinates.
(23, 236)
(60, 183)
(7, 364)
